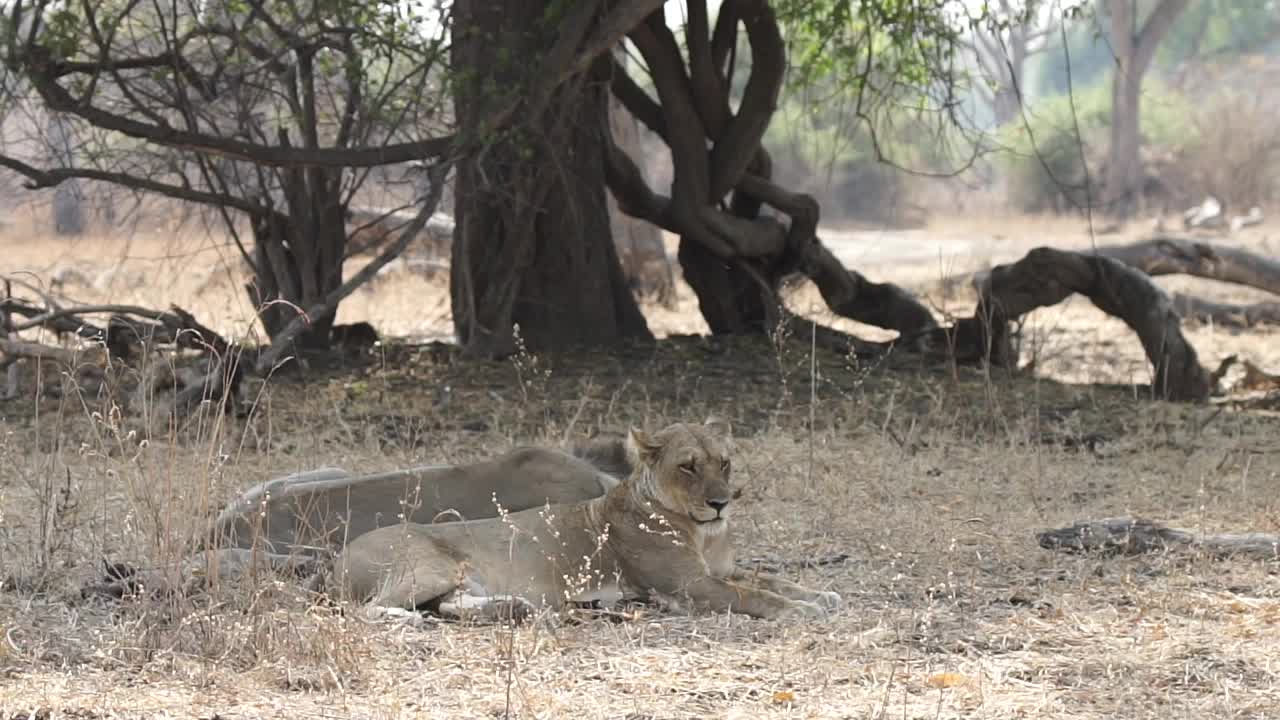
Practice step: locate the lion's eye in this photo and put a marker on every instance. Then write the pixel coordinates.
(688, 467)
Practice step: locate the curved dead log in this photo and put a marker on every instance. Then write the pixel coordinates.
(1047, 276)
(1170, 255)
(1129, 536)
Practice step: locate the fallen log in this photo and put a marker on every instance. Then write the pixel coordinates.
(127, 324)
(1130, 536)
(60, 324)
(1255, 378)
(1229, 315)
(218, 384)
(1171, 255)
(38, 351)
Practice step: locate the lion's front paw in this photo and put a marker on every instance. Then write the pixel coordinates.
(381, 613)
(799, 609)
(489, 608)
(829, 600)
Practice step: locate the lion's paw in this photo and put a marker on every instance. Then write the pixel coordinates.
(381, 613)
(804, 610)
(829, 600)
(488, 608)
(514, 609)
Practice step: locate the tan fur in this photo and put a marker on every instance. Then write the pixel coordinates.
(661, 532)
(324, 509)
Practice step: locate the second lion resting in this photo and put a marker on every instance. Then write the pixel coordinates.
(662, 532)
(295, 524)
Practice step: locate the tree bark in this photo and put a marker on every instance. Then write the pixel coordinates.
(532, 246)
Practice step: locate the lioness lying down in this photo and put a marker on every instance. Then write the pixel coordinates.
(295, 524)
(662, 532)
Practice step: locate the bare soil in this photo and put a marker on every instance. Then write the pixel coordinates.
(922, 486)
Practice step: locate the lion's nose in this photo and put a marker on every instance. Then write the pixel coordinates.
(718, 505)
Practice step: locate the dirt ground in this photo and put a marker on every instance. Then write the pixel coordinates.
(921, 490)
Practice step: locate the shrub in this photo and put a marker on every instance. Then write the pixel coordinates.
(1234, 152)
(1047, 174)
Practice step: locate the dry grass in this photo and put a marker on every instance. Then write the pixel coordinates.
(933, 483)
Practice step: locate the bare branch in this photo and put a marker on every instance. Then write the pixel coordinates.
(1153, 31)
(724, 38)
(736, 147)
(58, 99)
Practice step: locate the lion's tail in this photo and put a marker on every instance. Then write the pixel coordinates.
(608, 454)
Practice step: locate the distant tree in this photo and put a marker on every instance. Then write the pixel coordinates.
(1134, 46)
(1220, 29)
(68, 198)
(1002, 46)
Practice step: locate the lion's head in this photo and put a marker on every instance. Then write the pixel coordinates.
(685, 469)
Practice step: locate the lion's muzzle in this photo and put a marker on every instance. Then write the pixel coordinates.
(715, 510)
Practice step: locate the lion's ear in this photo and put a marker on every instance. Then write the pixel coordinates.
(642, 447)
(718, 425)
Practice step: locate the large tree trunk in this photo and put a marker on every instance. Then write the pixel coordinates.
(1007, 100)
(1124, 165)
(532, 246)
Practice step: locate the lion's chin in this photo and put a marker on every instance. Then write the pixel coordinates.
(714, 526)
